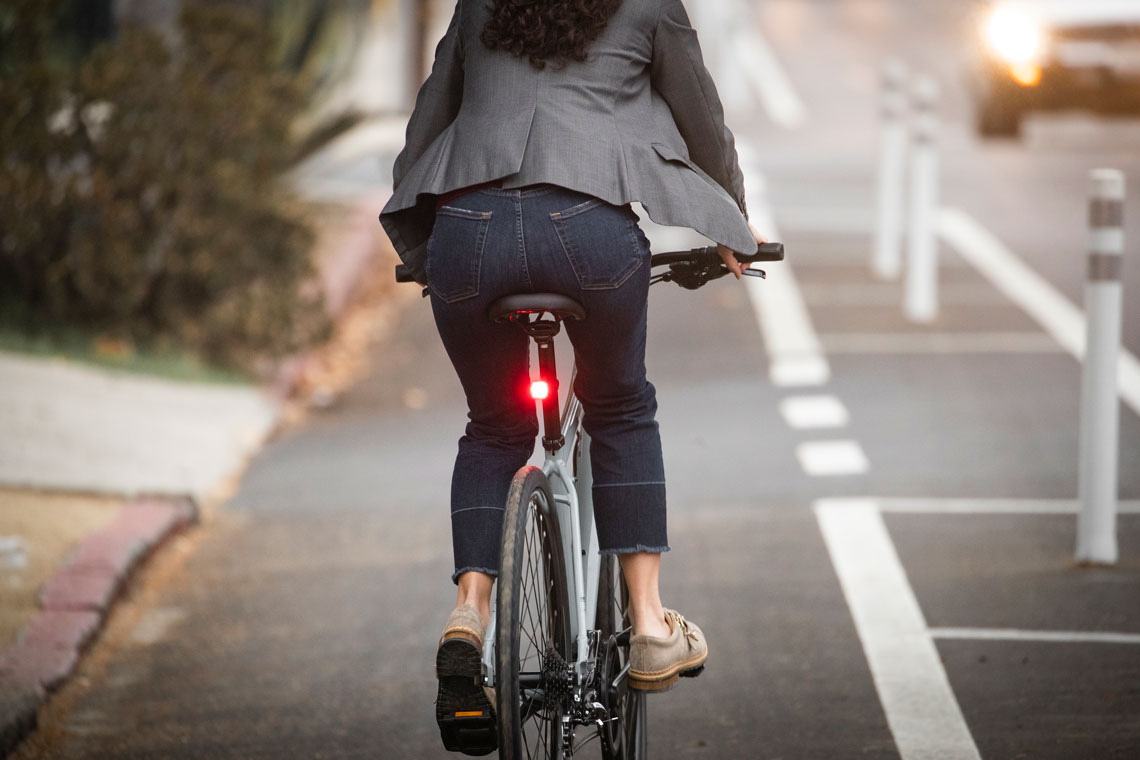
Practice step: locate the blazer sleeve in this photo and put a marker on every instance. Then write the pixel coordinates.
(438, 100)
(678, 73)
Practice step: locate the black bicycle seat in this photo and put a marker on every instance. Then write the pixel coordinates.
(562, 307)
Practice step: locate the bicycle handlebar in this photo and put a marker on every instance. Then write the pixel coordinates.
(708, 255)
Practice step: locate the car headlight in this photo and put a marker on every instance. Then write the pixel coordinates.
(1014, 35)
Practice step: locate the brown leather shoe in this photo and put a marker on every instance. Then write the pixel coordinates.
(465, 622)
(656, 662)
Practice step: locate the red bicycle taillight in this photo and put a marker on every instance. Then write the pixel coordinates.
(539, 390)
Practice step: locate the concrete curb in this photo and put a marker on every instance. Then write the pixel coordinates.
(74, 604)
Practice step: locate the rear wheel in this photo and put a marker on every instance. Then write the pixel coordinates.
(532, 644)
(625, 737)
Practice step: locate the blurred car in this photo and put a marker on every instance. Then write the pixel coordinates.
(1041, 55)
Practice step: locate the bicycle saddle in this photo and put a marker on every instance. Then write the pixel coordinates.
(562, 307)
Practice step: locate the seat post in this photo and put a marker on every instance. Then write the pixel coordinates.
(526, 310)
(552, 438)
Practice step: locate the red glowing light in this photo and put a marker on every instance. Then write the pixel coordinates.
(539, 390)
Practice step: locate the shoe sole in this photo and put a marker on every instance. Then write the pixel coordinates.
(665, 680)
(465, 716)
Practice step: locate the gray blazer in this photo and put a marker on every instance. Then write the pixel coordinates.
(639, 120)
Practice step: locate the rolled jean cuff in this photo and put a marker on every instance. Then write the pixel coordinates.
(634, 549)
(630, 515)
(462, 570)
(476, 535)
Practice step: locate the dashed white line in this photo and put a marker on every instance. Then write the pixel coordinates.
(920, 706)
(794, 352)
(812, 412)
(832, 458)
(1012, 634)
(769, 80)
(1032, 292)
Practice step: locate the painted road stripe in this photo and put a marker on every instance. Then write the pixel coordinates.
(813, 412)
(769, 81)
(919, 704)
(831, 458)
(939, 343)
(1032, 292)
(1011, 634)
(993, 506)
(795, 357)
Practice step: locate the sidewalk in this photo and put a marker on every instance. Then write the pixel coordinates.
(99, 466)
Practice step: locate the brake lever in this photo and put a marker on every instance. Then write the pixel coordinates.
(756, 273)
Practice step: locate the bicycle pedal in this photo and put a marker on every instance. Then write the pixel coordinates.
(472, 732)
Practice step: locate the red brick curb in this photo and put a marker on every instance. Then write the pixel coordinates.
(74, 605)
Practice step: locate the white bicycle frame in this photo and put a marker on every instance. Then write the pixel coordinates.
(574, 505)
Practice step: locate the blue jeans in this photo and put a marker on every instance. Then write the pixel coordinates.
(545, 238)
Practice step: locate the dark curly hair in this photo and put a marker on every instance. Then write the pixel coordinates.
(541, 29)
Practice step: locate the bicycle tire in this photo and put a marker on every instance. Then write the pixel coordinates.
(629, 738)
(532, 644)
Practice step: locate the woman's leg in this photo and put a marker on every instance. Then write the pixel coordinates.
(474, 257)
(646, 613)
(619, 402)
(475, 589)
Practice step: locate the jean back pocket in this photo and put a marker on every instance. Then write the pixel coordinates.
(455, 252)
(600, 241)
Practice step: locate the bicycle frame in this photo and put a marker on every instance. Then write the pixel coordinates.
(574, 504)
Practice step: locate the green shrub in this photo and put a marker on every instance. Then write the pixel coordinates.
(140, 195)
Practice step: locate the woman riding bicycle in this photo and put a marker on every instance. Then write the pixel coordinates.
(539, 124)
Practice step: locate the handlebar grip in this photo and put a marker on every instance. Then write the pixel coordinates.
(764, 252)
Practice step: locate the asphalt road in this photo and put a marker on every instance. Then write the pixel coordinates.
(302, 622)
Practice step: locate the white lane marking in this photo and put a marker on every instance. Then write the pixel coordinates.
(795, 357)
(1033, 293)
(921, 710)
(813, 412)
(830, 458)
(939, 343)
(769, 81)
(993, 506)
(723, 20)
(790, 371)
(1011, 634)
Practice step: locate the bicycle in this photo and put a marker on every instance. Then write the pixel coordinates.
(560, 661)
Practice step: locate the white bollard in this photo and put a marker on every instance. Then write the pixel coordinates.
(1100, 404)
(886, 263)
(920, 303)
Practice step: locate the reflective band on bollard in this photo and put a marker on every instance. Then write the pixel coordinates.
(886, 262)
(1100, 406)
(920, 303)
